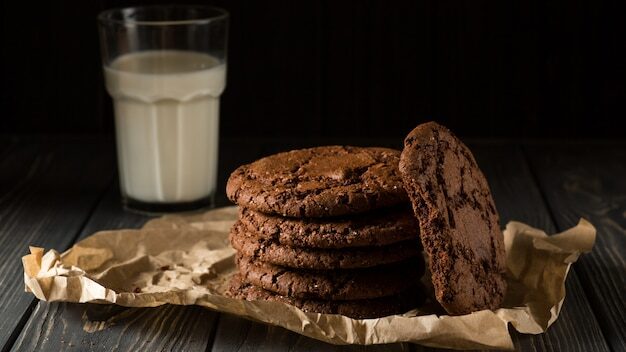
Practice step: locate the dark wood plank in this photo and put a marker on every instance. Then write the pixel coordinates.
(47, 190)
(518, 198)
(62, 326)
(191, 327)
(236, 334)
(588, 181)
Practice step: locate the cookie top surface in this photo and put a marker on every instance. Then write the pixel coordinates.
(459, 224)
(357, 309)
(319, 182)
(348, 284)
(377, 228)
(252, 245)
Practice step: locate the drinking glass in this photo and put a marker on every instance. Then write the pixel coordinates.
(165, 68)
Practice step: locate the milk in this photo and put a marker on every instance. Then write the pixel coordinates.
(167, 122)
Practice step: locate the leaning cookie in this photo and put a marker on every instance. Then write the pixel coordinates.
(319, 182)
(459, 224)
(349, 284)
(250, 244)
(378, 228)
(357, 309)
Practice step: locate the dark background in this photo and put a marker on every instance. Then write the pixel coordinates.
(310, 69)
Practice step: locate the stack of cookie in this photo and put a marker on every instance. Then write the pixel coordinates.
(327, 229)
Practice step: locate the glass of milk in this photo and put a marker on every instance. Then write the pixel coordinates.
(165, 68)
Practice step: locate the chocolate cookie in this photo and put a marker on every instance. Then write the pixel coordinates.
(459, 224)
(319, 182)
(377, 228)
(348, 284)
(250, 244)
(357, 309)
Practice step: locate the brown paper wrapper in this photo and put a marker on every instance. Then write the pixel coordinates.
(187, 260)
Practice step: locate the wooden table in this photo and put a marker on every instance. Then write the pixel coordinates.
(55, 191)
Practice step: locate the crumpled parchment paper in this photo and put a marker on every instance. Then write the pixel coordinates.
(187, 260)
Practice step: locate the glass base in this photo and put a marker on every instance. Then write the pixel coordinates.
(137, 206)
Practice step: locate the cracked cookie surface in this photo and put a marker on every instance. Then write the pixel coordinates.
(378, 228)
(349, 284)
(250, 244)
(357, 309)
(319, 182)
(459, 224)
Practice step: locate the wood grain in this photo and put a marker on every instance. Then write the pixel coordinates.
(517, 197)
(588, 181)
(59, 326)
(47, 190)
(236, 334)
(93, 327)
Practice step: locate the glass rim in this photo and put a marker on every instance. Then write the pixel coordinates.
(106, 16)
